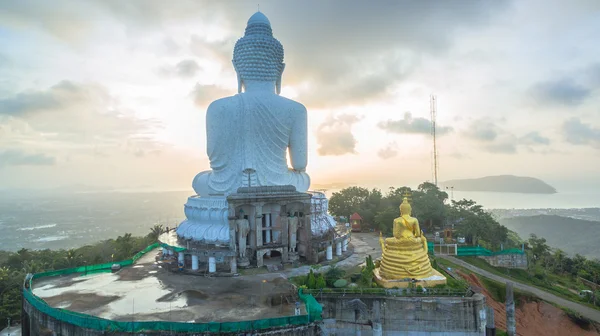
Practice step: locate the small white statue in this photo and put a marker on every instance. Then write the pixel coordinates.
(242, 227)
(292, 228)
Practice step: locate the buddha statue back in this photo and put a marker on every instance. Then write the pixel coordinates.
(249, 134)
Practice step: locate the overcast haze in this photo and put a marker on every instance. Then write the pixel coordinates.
(114, 93)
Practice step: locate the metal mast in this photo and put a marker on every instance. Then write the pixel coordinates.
(433, 108)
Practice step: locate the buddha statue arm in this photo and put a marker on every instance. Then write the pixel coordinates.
(213, 127)
(298, 141)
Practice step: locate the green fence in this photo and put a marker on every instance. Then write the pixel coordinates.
(97, 323)
(430, 248)
(464, 251)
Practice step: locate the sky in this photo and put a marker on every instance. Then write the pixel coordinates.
(113, 94)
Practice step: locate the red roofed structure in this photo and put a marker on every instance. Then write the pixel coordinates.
(356, 222)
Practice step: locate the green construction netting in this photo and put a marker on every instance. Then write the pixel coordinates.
(314, 309)
(430, 249)
(509, 251)
(480, 251)
(97, 323)
(174, 248)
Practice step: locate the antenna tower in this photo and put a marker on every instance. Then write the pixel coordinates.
(433, 108)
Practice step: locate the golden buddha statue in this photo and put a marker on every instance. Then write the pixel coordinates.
(404, 256)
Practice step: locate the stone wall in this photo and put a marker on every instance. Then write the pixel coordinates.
(404, 315)
(507, 260)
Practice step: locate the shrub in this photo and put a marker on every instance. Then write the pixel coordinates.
(340, 283)
(334, 273)
(311, 281)
(320, 284)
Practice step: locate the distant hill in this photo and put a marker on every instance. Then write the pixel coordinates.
(502, 183)
(569, 234)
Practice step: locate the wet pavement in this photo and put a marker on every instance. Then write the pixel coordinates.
(147, 291)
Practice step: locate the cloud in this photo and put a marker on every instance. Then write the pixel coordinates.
(482, 130)
(505, 146)
(72, 116)
(534, 138)
(410, 125)
(565, 91)
(335, 137)
(578, 133)
(184, 69)
(20, 158)
(493, 139)
(346, 52)
(203, 95)
(33, 101)
(388, 152)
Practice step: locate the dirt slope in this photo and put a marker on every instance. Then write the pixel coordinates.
(533, 318)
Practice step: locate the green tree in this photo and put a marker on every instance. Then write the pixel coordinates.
(320, 284)
(155, 232)
(124, 246)
(347, 201)
(72, 258)
(539, 248)
(333, 274)
(356, 199)
(384, 220)
(311, 282)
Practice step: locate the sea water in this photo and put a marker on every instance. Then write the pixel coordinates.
(68, 220)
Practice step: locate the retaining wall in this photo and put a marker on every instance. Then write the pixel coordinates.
(404, 315)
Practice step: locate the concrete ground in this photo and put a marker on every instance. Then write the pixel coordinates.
(11, 331)
(364, 244)
(147, 291)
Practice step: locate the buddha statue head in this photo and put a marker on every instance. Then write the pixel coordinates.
(405, 208)
(258, 56)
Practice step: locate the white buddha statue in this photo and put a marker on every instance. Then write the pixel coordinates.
(248, 134)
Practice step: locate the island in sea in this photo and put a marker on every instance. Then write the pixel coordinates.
(502, 183)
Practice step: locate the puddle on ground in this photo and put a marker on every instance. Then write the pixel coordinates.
(137, 297)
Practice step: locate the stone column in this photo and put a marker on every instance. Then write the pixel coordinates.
(329, 253)
(180, 258)
(233, 264)
(194, 262)
(268, 231)
(268, 226)
(345, 244)
(490, 325)
(376, 315)
(256, 234)
(338, 248)
(511, 324)
(212, 265)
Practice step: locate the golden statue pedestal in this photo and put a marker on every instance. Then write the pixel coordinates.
(404, 258)
(435, 278)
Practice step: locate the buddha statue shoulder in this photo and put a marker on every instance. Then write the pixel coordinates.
(249, 134)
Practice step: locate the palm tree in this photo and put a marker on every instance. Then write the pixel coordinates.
(72, 258)
(125, 245)
(155, 232)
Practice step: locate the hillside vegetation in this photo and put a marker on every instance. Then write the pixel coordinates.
(502, 183)
(574, 236)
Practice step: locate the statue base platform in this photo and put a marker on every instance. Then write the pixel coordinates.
(243, 262)
(436, 278)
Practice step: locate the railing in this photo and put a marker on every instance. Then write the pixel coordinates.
(393, 292)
